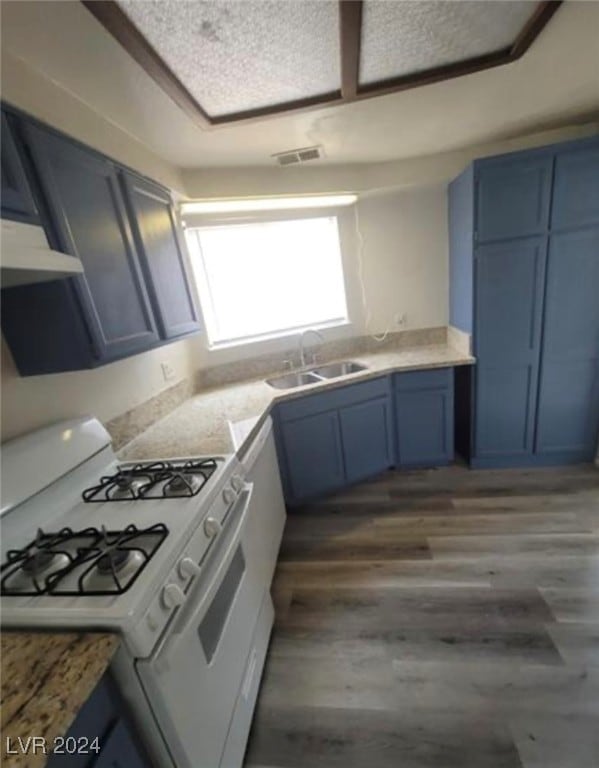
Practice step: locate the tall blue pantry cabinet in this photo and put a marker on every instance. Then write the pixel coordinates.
(524, 281)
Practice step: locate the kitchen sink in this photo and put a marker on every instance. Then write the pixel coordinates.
(338, 369)
(291, 380)
(324, 372)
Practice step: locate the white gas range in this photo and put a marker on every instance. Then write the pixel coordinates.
(163, 553)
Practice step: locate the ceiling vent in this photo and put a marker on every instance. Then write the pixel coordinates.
(295, 156)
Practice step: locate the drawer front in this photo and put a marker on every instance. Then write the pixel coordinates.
(439, 378)
(347, 394)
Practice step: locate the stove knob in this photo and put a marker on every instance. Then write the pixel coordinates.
(212, 527)
(188, 567)
(229, 495)
(237, 482)
(172, 596)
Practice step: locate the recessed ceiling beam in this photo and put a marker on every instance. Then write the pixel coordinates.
(350, 30)
(118, 24)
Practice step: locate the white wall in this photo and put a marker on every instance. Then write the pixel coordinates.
(26, 88)
(313, 178)
(33, 401)
(405, 257)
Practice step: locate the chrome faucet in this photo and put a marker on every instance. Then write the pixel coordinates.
(301, 344)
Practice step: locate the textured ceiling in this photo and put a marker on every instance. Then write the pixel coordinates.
(402, 37)
(238, 56)
(59, 63)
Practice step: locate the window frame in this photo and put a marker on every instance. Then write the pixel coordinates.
(345, 216)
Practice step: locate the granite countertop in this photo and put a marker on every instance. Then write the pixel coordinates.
(226, 419)
(46, 678)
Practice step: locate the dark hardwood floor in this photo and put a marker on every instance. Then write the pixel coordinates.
(442, 618)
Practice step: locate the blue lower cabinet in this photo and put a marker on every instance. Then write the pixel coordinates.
(424, 418)
(367, 438)
(100, 736)
(313, 456)
(330, 439)
(120, 750)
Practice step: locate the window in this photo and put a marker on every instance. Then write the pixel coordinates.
(268, 278)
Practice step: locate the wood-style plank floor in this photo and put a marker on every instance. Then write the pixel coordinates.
(437, 619)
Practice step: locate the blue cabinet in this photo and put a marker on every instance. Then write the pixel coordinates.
(424, 417)
(90, 221)
(158, 244)
(532, 261)
(312, 447)
(17, 200)
(101, 735)
(576, 189)
(568, 410)
(330, 439)
(509, 278)
(134, 294)
(512, 197)
(366, 437)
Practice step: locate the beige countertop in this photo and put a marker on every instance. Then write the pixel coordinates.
(46, 678)
(225, 419)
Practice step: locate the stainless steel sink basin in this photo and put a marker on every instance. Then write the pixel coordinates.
(291, 380)
(338, 369)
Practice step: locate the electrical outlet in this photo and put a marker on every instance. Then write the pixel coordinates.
(168, 372)
(401, 319)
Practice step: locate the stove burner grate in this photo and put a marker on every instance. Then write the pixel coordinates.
(156, 480)
(93, 561)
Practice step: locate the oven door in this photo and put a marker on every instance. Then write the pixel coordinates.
(192, 680)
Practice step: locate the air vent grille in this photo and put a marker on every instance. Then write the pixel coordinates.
(296, 156)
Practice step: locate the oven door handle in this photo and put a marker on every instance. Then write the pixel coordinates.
(193, 611)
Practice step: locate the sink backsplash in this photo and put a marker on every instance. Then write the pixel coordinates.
(270, 364)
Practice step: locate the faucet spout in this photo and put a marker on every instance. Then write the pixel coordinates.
(302, 343)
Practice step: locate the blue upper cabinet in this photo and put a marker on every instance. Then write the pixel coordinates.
(534, 396)
(90, 220)
(576, 188)
(161, 254)
(134, 293)
(17, 200)
(568, 411)
(512, 197)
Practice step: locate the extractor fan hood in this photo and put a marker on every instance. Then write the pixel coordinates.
(25, 256)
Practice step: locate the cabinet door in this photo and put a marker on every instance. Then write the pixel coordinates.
(313, 454)
(156, 236)
(512, 197)
(509, 281)
(17, 201)
(90, 221)
(120, 750)
(366, 436)
(568, 412)
(424, 425)
(576, 188)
